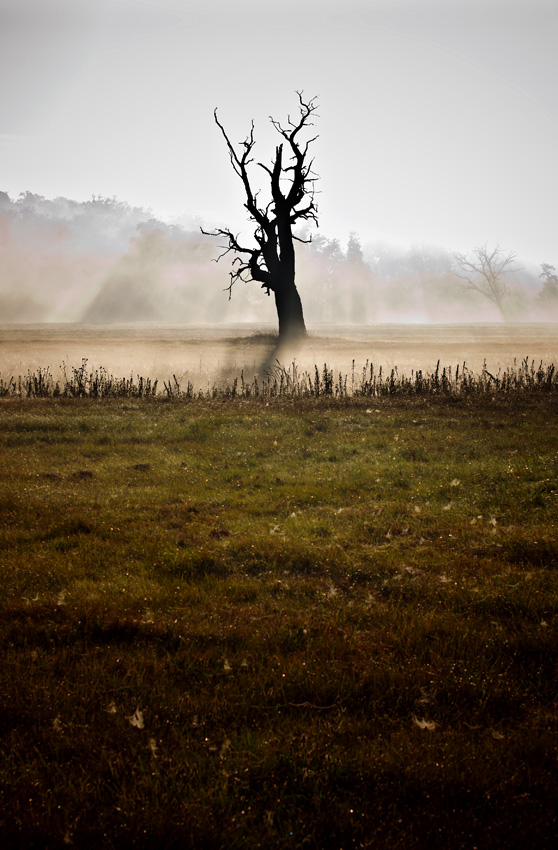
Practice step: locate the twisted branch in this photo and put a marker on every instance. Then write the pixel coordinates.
(274, 221)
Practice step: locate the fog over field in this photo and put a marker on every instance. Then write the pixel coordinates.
(434, 130)
(216, 354)
(103, 261)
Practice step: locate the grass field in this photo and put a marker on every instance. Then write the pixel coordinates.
(279, 623)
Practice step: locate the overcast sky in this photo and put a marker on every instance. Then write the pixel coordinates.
(438, 118)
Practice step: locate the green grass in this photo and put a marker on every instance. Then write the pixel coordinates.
(333, 623)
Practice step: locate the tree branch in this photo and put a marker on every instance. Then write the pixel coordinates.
(484, 272)
(273, 235)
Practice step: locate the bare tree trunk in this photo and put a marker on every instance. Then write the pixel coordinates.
(500, 305)
(289, 312)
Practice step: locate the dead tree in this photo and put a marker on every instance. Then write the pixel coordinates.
(271, 261)
(484, 271)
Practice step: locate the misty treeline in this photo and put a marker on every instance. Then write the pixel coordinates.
(104, 261)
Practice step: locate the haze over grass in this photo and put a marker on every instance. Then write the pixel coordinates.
(104, 261)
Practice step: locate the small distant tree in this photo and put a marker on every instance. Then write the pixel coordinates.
(271, 261)
(361, 283)
(548, 295)
(484, 271)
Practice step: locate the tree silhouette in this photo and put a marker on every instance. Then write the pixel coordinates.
(483, 271)
(548, 295)
(271, 261)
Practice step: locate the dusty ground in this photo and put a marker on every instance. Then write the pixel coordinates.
(205, 353)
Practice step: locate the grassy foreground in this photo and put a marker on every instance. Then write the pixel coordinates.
(282, 623)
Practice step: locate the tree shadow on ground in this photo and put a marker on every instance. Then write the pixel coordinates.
(258, 355)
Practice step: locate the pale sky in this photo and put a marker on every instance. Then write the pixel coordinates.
(438, 118)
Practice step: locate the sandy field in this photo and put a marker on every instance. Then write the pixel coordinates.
(204, 354)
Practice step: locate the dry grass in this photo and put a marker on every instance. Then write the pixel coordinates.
(283, 382)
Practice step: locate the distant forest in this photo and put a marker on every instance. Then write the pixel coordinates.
(103, 261)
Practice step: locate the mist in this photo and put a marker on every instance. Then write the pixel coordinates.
(103, 261)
